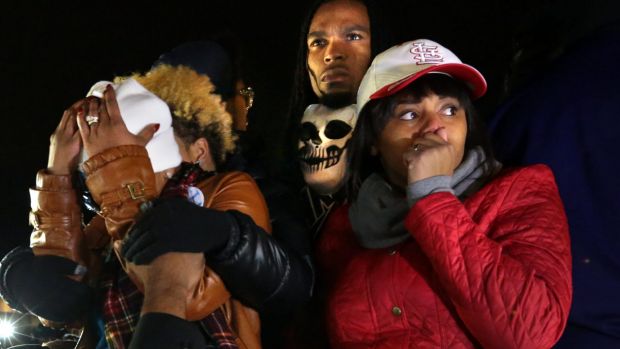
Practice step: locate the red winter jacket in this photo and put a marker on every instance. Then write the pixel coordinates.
(493, 271)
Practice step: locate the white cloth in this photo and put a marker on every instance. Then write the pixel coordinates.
(140, 107)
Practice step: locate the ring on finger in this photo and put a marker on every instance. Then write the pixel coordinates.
(92, 119)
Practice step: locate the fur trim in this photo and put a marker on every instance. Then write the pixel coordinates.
(190, 96)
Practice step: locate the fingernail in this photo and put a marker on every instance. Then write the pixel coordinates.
(156, 127)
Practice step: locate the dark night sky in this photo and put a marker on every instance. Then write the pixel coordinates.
(52, 53)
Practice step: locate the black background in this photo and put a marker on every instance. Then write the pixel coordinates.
(52, 52)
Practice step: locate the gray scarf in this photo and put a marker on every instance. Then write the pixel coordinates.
(378, 213)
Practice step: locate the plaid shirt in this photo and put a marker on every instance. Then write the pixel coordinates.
(122, 299)
(121, 305)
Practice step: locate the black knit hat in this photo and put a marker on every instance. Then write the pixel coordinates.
(207, 58)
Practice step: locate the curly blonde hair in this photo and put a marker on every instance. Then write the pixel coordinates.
(197, 110)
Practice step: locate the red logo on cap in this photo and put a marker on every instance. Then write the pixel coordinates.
(426, 54)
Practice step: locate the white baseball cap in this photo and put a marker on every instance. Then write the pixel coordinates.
(140, 107)
(397, 67)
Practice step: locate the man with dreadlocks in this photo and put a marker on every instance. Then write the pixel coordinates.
(338, 40)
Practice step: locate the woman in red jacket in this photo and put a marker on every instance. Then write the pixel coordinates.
(438, 248)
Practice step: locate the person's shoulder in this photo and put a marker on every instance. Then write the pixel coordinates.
(529, 170)
(231, 178)
(225, 180)
(234, 176)
(531, 176)
(516, 188)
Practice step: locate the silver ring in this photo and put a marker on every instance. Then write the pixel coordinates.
(416, 147)
(91, 119)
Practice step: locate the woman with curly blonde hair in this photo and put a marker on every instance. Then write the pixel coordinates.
(150, 140)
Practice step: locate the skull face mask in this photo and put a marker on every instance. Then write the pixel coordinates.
(325, 134)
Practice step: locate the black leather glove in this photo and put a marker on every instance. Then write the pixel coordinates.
(160, 330)
(39, 285)
(176, 225)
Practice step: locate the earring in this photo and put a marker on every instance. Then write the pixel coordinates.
(248, 94)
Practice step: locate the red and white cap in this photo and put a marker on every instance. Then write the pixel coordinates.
(396, 68)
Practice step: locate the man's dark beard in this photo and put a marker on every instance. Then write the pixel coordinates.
(337, 100)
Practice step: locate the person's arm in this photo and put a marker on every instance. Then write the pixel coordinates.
(256, 267)
(45, 279)
(508, 270)
(118, 173)
(43, 286)
(55, 212)
(120, 179)
(56, 218)
(278, 267)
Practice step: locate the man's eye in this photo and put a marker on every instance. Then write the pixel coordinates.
(408, 116)
(354, 36)
(317, 42)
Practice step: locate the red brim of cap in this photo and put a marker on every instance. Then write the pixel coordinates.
(466, 73)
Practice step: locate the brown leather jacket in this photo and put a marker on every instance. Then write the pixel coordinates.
(120, 179)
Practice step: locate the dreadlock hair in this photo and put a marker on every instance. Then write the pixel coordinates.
(302, 94)
(196, 110)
